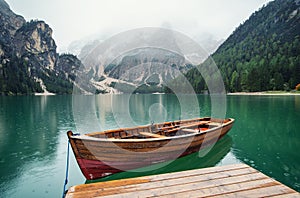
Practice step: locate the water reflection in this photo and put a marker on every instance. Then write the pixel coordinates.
(29, 136)
(119, 111)
(266, 135)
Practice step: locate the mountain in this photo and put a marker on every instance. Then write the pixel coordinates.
(83, 46)
(262, 54)
(142, 70)
(147, 62)
(29, 62)
(9, 24)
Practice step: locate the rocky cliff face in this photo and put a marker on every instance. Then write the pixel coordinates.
(9, 23)
(34, 41)
(140, 66)
(29, 62)
(69, 65)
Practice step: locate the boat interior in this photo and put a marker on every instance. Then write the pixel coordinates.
(161, 130)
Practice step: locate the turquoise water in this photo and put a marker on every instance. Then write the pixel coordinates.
(33, 140)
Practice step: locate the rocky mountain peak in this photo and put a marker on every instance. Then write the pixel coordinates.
(34, 38)
(9, 23)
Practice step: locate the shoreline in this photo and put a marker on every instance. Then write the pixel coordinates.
(265, 93)
(44, 94)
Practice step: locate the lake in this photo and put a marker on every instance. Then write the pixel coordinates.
(33, 141)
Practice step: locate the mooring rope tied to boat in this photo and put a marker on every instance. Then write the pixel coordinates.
(67, 170)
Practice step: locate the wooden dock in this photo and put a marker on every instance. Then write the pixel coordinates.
(237, 180)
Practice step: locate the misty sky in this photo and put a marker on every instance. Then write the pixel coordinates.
(75, 19)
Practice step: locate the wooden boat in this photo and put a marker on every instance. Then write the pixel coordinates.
(99, 154)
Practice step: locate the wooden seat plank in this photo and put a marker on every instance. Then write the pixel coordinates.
(152, 135)
(196, 124)
(190, 130)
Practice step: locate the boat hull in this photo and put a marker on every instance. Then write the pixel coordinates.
(98, 158)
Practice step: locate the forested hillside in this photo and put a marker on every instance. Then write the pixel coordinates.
(261, 54)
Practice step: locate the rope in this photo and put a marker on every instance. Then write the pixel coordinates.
(67, 170)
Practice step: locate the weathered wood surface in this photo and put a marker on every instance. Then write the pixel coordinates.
(151, 135)
(237, 180)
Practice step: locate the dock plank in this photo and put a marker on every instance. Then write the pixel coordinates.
(221, 189)
(260, 192)
(169, 179)
(237, 180)
(167, 176)
(291, 195)
(201, 180)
